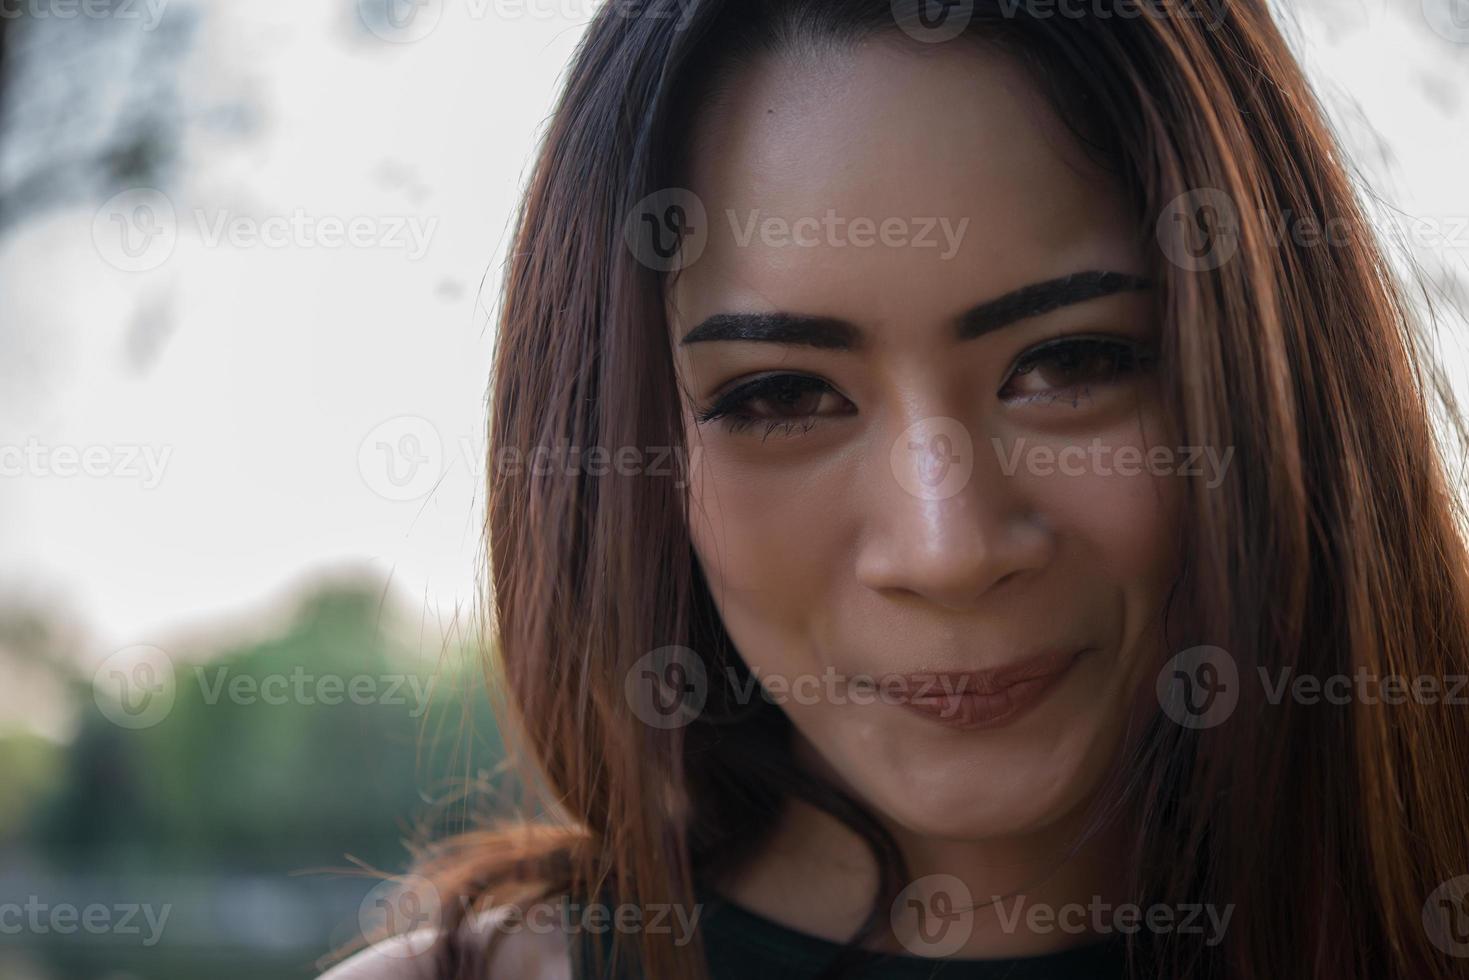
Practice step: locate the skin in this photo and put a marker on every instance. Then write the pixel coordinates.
(520, 953)
(823, 558)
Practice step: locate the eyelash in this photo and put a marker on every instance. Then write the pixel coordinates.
(1129, 357)
(731, 406)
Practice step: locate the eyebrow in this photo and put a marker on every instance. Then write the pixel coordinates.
(830, 333)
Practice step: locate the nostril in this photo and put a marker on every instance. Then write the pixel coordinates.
(1005, 579)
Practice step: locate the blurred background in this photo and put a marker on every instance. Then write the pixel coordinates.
(248, 265)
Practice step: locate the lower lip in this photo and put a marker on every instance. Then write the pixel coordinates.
(971, 710)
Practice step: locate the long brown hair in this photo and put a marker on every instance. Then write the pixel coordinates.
(1333, 545)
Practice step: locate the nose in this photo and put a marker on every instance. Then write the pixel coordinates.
(945, 521)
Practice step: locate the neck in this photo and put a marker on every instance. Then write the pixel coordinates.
(1032, 893)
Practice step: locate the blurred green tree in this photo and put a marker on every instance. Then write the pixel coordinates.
(290, 752)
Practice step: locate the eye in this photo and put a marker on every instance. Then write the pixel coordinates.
(1067, 369)
(788, 404)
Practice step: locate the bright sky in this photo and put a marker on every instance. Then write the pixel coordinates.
(254, 374)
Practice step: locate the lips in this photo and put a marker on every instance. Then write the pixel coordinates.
(970, 699)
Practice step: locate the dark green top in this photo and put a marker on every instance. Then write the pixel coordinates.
(742, 945)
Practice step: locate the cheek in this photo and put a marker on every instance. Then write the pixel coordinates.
(1121, 515)
(1115, 511)
(771, 538)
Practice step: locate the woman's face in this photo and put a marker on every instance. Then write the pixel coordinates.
(923, 498)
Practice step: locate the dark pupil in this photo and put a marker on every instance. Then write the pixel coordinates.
(794, 398)
(1081, 362)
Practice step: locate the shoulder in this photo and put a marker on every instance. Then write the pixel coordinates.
(521, 953)
(398, 958)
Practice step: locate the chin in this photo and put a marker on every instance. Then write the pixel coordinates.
(974, 810)
(978, 785)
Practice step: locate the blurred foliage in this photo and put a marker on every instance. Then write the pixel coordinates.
(30, 769)
(242, 782)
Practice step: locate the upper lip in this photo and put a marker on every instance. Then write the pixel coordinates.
(933, 684)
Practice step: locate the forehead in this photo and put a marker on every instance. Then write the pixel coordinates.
(891, 182)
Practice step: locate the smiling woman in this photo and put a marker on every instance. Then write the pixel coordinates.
(932, 648)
